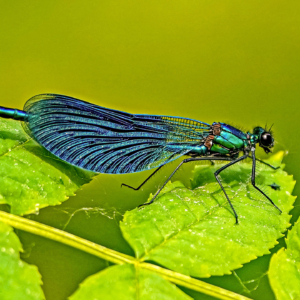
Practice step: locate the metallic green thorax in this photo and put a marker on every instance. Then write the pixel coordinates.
(230, 140)
(226, 140)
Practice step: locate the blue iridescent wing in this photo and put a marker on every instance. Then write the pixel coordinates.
(106, 140)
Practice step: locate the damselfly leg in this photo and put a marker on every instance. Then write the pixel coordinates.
(136, 189)
(232, 162)
(150, 176)
(263, 162)
(218, 179)
(216, 175)
(253, 180)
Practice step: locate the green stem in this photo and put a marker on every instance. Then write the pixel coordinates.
(65, 238)
(114, 256)
(193, 284)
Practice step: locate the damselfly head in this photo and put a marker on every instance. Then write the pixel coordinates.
(265, 138)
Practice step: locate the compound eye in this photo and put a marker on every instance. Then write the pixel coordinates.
(266, 139)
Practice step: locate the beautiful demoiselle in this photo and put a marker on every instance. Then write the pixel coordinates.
(109, 141)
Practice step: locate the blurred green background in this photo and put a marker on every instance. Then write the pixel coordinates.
(229, 61)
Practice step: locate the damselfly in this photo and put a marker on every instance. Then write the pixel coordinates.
(109, 141)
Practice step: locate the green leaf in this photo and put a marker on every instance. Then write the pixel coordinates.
(193, 231)
(30, 176)
(18, 280)
(127, 282)
(284, 270)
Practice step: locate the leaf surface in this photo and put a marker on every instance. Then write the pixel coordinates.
(193, 231)
(30, 177)
(18, 280)
(284, 271)
(127, 282)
